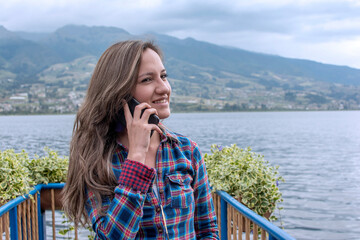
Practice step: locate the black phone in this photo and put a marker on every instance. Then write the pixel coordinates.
(121, 125)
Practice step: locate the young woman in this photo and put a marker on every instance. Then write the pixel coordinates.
(142, 181)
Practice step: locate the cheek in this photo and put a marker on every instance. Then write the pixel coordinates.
(139, 94)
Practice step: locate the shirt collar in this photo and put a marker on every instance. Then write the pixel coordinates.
(167, 135)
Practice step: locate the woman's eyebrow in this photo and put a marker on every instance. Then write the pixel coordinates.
(150, 73)
(145, 74)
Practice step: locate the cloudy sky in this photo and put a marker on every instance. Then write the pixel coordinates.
(326, 31)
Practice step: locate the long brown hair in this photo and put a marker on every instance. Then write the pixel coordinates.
(94, 139)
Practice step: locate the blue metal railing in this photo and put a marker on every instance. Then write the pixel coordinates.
(11, 207)
(273, 231)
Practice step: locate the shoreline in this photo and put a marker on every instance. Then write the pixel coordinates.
(210, 111)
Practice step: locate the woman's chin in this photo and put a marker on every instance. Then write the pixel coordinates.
(164, 114)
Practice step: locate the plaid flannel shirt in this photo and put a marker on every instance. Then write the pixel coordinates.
(135, 211)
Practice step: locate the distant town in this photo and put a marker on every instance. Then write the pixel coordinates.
(42, 99)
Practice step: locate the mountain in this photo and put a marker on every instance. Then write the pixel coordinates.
(245, 63)
(71, 42)
(36, 36)
(5, 34)
(199, 71)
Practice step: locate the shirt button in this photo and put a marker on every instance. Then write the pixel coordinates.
(157, 209)
(160, 230)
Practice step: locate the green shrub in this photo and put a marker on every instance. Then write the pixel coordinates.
(246, 175)
(15, 179)
(19, 173)
(48, 169)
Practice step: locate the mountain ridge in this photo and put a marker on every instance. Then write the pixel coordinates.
(73, 41)
(199, 71)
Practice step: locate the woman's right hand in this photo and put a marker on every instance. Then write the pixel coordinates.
(138, 130)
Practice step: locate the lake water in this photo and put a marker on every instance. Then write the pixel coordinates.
(318, 154)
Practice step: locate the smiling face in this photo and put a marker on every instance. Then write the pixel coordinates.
(152, 85)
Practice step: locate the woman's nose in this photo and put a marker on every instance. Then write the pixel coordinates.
(163, 86)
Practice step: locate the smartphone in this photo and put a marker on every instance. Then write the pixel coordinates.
(132, 103)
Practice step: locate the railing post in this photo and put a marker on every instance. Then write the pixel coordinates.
(13, 223)
(41, 219)
(223, 219)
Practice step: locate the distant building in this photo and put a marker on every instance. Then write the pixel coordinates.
(20, 97)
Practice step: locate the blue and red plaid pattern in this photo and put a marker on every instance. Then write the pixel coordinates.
(137, 176)
(134, 212)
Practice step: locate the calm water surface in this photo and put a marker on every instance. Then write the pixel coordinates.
(318, 154)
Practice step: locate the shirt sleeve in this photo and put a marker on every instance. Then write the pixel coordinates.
(122, 217)
(204, 216)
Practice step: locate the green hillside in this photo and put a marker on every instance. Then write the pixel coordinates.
(42, 73)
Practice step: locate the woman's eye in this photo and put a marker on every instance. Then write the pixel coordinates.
(146, 80)
(164, 76)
